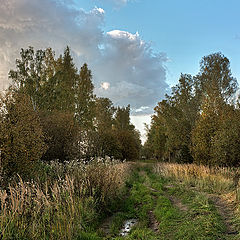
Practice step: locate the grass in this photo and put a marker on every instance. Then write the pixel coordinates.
(211, 179)
(64, 204)
(148, 192)
(72, 200)
(196, 184)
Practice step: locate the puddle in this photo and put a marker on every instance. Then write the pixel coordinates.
(127, 227)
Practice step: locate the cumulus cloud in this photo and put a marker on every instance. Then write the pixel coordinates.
(105, 85)
(137, 75)
(124, 67)
(118, 3)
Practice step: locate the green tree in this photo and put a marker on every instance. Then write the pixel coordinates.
(204, 132)
(122, 119)
(85, 103)
(128, 137)
(63, 84)
(106, 141)
(170, 132)
(155, 145)
(21, 135)
(104, 111)
(215, 77)
(226, 141)
(28, 76)
(61, 134)
(218, 89)
(60, 93)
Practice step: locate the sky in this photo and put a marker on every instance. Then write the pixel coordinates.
(136, 49)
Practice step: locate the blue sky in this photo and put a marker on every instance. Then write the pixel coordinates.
(136, 49)
(186, 30)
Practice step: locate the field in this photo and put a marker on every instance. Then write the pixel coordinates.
(79, 201)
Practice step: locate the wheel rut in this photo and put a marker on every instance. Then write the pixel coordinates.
(226, 211)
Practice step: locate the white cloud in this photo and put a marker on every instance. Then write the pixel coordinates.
(100, 10)
(137, 75)
(105, 85)
(141, 109)
(118, 3)
(121, 62)
(117, 34)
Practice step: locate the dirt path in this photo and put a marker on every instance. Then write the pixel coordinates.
(160, 227)
(226, 211)
(176, 202)
(153, 223)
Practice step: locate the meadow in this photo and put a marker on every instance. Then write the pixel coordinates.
(62, 201)
(73, 200)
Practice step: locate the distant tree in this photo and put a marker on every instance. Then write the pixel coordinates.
(128, 137)
(104, 114)
(85, 103)
(170, 133)
(106, 141)
(155, 145)
(122, 119)
(21, 135)
(129, 144)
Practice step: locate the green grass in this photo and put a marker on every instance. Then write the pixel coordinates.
(199, 221)
(144, 191)
(147, 191)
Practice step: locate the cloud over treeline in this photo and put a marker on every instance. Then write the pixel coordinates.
(133, 72)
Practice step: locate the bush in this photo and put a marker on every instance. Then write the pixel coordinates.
(21, 135)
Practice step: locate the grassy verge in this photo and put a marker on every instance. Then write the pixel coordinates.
(73, 202)
(66, 201)
(199, 220)
(195, 186)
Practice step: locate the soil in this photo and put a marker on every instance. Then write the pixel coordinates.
(226, 211)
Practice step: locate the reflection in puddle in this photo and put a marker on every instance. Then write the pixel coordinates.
(127, 227)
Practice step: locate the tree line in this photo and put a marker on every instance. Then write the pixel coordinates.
(50, 112)
(200, 120)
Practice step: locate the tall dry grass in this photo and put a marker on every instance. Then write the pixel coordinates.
(217, 180)
(211, 179)
(65, 203)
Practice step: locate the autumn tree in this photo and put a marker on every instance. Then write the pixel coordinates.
(218, 89)
(128, 137)
(60, 93)
(85, 103)
(191, 124)
(61, 134)
(75, 122)
(226, 141)
(170, 133)
(21, 135)
(106, 141)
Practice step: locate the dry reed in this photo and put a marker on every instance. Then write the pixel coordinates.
(61, 206)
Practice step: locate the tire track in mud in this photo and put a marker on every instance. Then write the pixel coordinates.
(226, 211)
